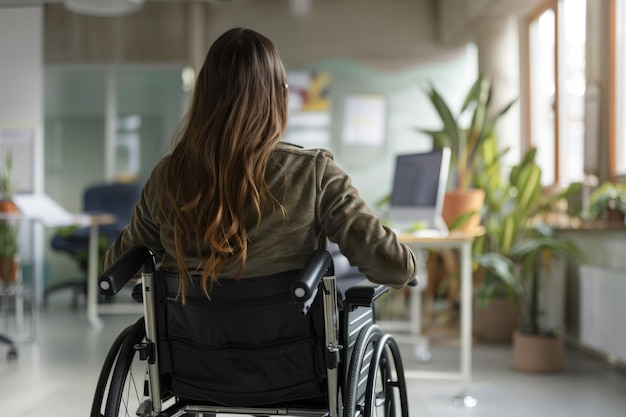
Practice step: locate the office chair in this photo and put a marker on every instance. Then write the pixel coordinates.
(12, 352)
(117, 199)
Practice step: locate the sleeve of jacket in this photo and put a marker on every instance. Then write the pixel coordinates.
(347, 220)
(142, 229)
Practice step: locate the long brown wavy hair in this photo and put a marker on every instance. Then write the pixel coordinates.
(215, 180)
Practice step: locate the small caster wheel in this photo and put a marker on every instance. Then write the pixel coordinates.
(12, 355)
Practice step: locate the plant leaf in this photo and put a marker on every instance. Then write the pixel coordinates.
(450, 126)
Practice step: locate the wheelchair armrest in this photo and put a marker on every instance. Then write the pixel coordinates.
(304, 289)
(125, 268)
(364, 293)
(310, 276)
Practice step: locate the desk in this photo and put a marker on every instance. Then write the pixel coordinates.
(462, 242)
(44, 209)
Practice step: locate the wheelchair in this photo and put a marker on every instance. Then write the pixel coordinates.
(287, 344)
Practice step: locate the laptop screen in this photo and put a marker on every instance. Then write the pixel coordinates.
(419, 187)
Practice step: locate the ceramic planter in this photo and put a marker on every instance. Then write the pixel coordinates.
(459, 202)
(537, 353)
(496, 322)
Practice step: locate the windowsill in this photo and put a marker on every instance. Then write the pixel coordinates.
(595, 225)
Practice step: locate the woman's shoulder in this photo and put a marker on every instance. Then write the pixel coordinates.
(289, 149)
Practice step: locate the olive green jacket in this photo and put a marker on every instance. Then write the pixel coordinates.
(320, 203)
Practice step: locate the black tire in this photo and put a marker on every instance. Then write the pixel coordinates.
(377, 355)
(120, 387)
(123, 376)
(359, 363)
(105, 373)
(386, 396)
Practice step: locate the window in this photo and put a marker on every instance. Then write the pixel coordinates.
(543, 105)
(556, 75)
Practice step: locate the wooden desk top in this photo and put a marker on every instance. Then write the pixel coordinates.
(95, 219)
(452, 237)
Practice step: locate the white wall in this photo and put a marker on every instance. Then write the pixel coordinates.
(21, 81)
(21, 110)
(21, 66)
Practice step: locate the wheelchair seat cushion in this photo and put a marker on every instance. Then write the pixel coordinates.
(247, 345)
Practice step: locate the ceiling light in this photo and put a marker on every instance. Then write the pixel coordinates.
(103, 7)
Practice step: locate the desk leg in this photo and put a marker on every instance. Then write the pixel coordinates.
(92, 278)
(464, 399)
(422, 349)
(415, 310)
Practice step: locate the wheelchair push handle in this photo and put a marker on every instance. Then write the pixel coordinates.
(319, 265)
(126, 267)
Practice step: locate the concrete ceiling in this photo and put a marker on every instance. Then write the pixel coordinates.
(475, 7)
(455, 18)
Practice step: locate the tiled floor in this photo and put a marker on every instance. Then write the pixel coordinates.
(56, 375)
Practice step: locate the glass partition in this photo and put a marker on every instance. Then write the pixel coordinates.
(144, 105)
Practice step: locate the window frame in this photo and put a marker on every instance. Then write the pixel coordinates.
(530, 19)
(612, 105)
(560, 65)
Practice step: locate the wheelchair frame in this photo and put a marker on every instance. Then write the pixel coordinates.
(352, 371)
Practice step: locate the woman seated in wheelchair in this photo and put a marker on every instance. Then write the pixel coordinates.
(231, 200)
(232, 203)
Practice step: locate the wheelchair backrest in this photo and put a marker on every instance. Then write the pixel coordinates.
(248, 345)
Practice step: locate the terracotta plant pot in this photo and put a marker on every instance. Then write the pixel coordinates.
(8, 270)
(8, 262)
(8, 206)
(459, 202)
(496, 322)
(537, 353)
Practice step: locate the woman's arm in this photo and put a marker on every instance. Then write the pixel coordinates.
(347, 220)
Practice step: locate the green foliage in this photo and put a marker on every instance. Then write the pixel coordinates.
(513, 249)
(82, 257)
(8, 240)
(466, 142)
(607, 196)
(530, 254)
(8, 232)
(8, 185)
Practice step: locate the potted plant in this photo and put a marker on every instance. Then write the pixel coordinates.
(537, 349)
(608, 203)
(8, 233)
(463, 199)
(514, 251)
(508, 204)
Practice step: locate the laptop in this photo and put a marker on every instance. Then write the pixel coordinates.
(419, 187)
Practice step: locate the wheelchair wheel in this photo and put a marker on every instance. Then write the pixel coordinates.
(386, 396)
(120, 388)
(375, 385)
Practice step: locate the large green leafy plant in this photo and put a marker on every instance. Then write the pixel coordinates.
(515, 247)
(466, 141)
